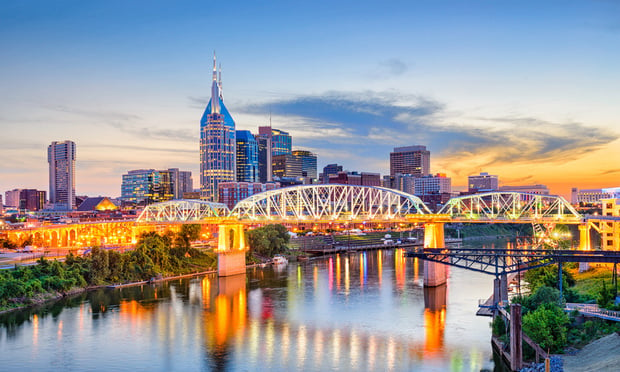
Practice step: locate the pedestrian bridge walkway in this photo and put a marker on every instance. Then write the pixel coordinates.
(594, 310)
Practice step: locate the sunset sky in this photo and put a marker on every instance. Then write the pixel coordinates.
(526, 90)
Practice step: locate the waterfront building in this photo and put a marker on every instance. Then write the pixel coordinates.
(61, 159)
(328, 170)
(415, 160)
(99, 204)
(482, 182)
(593, 196)
(531, 189)
(146, 186)
(308, 163)
(217, 143)
(437, 184)
(230, 193)
(247, 157)
(402, 182)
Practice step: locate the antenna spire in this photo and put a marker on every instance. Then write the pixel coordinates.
(215, 94)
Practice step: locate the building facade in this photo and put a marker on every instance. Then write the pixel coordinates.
(482, 182)
(247, 157)
(610, 230)
(593, 196)
(217, 143)
(146, 186)
(11, 198)
(415, 160)
(230, 193)
(61, 159)
(31, 199)
(271, 142)
(530, 189)
(328, 170)
(308, 163)
(437, 184)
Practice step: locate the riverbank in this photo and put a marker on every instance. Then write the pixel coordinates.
(600, 355)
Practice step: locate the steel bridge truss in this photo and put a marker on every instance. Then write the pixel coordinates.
(183, 210)
(511, 206)
(507, 261)
(329, 203)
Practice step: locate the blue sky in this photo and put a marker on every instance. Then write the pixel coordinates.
(525, 90)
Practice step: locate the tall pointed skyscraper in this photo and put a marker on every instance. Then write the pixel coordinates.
(217, 142)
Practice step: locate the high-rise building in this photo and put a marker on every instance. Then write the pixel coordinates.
(402, 182)
(217, 143)
(271, 142)
(286, 165)
(308, 163)
(247, 157)
(438, 184)
(146, 186)
(61, 159)
(31, 199)
(482, 182)
(12, 198)
(415, 160)
(329, 169)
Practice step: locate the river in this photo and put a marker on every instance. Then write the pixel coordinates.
(357, 311)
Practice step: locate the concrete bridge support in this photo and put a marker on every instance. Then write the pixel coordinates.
(435, 274)
(231, 250)
(584, 244)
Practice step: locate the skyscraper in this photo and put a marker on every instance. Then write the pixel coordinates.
(61, 159)
(271, 142)
(482, 182)
(217, 143)
(247, 157)
(415, 160)
(308, 163)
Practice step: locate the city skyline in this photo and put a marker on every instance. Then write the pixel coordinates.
(525, 91)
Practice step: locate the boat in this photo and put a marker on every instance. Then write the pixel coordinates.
(278, 259)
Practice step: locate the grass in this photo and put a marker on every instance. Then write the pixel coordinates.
(590, 282)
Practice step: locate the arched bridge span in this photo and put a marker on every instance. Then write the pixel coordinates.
(333, 202)
(511, 207)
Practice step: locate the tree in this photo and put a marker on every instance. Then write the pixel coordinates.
(268, 240)
(547, 327)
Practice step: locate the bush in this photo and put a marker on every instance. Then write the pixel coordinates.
(547, 327)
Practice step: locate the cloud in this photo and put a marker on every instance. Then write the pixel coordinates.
(394, 67)
(370, 124)
(142, 148)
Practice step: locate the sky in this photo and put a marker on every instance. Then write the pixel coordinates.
(526, 90)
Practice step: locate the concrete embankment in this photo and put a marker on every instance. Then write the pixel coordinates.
(600, 355)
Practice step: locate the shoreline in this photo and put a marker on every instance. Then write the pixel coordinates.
(76, 291)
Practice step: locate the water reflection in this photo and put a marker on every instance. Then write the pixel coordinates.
(359, 311)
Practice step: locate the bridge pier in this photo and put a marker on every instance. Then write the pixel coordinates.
(584, 244)
(231, 250)
(435, 274)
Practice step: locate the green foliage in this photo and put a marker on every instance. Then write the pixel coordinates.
(154, 254)
(498, 326)
(606, 296)
(268, 240)
(548, 276)
(547, 326)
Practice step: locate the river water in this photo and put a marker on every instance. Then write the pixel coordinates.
(364, 311)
